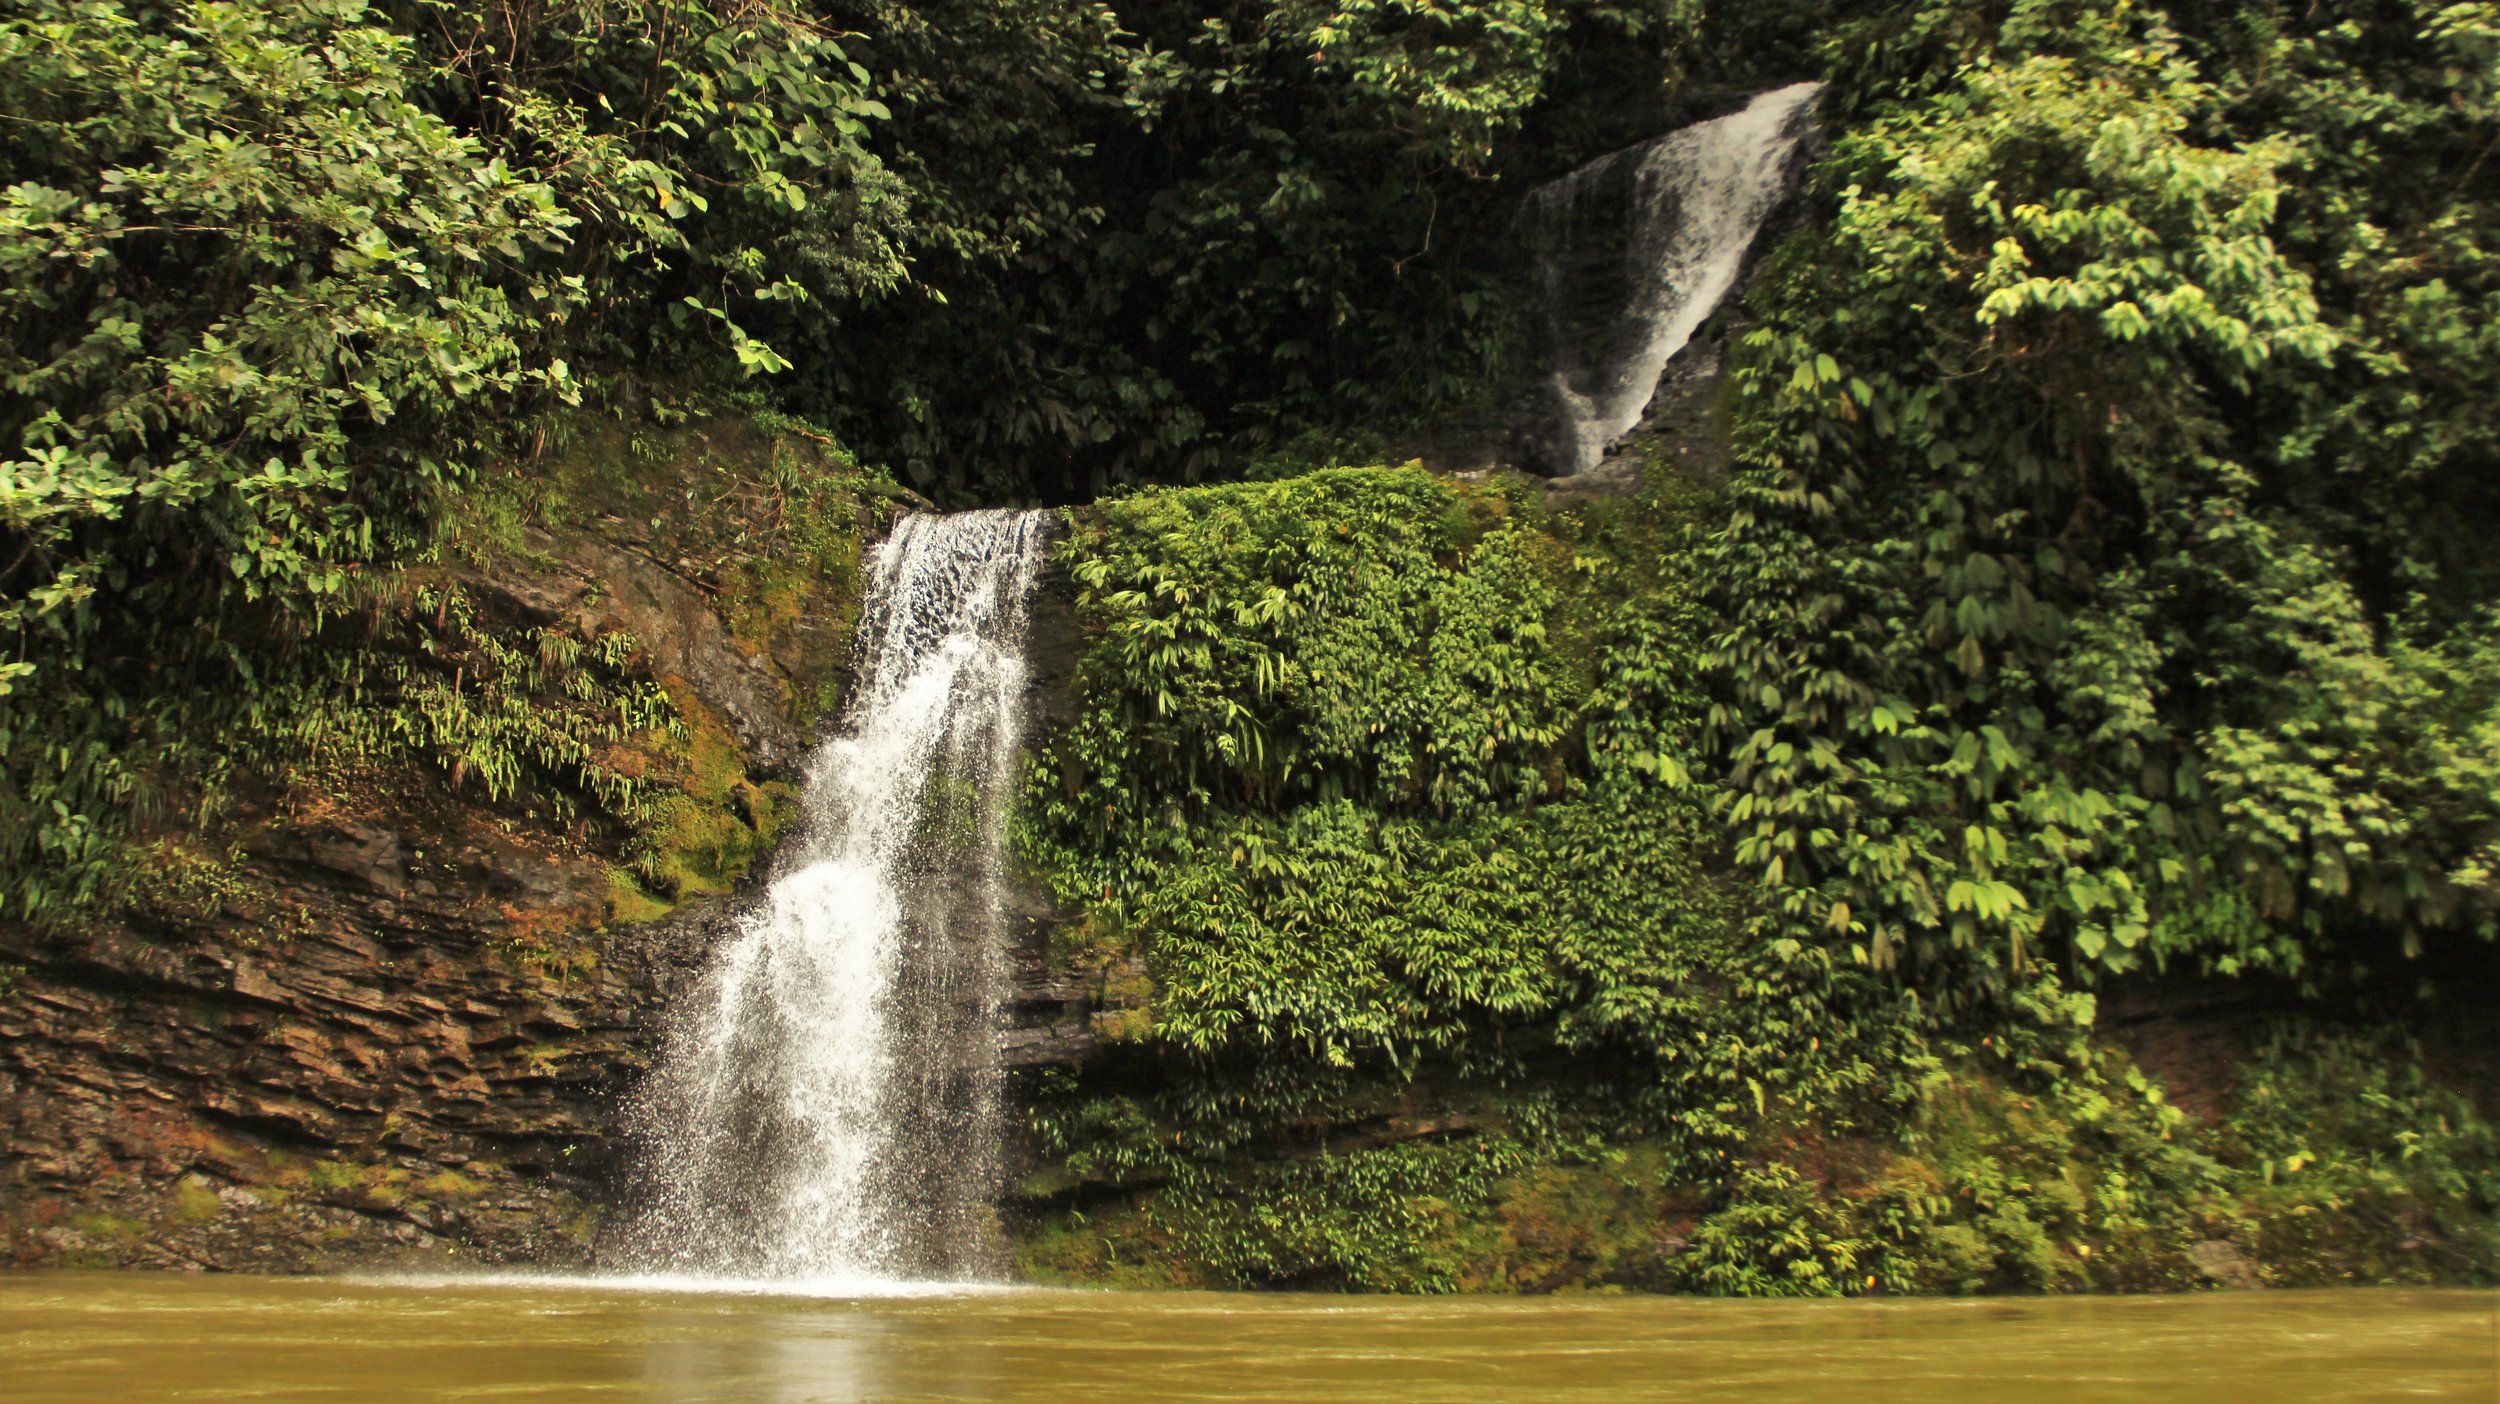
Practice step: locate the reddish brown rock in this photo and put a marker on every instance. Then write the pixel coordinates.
(400, 1029)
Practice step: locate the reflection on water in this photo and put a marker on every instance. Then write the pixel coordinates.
(102, 1336)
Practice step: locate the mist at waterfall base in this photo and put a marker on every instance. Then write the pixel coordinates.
(1633, 252)
(824, 1114)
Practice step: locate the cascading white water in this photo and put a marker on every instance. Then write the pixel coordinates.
(1635, 251)
(827, 1109)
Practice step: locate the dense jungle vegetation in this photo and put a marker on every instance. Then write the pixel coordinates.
(2101, 589)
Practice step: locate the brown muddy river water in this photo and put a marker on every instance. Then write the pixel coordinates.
(107, 1337)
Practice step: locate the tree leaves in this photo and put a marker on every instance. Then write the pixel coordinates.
(275, 277)
(2048, 591)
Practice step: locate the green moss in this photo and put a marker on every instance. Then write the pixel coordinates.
(716, 823)
(450, 1184)
(1478, 1214)
(629, 904)
(332, 1175)
(763, 512)
(195, 1203)
(1607, 1221)
(1119, 1249)
(569, 739)
(109, 1226)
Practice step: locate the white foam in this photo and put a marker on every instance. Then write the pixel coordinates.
(823, 1119)
(1698, 196)
(824, 1287)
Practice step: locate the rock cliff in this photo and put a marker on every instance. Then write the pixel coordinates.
(389, 1020)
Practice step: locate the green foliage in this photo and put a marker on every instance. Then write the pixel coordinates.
(1490, 1212)
(2338, 1160)
(232, 246)
(1397, 788)
(1151, 241)
(279, 277)
(1677, 892)
(2054, 630)
(257, 244)
(1379, 1221)
(512, 708)
(2355, 1164)
(1356, 634)
(1775, 1238)
(2045, 639)
(1388, 780)
(1322, 775)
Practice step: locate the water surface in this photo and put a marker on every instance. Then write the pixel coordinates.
(107, 1336)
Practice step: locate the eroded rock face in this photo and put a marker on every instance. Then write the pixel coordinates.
(393, 1024)
(398, 1030)
(594, 585)
(383, 1076)
(1053, 1000)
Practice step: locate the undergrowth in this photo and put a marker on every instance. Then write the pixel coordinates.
(1394, 786)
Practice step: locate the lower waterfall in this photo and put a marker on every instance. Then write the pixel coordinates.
(827, 1106)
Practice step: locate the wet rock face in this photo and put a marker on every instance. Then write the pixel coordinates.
(351, 1061)
(1062, 1004)
(595, 586)
(395, 1024)
(399, 1030)
(1636, 265)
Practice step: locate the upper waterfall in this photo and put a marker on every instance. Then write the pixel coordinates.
(1634, 252)
(827, 1109)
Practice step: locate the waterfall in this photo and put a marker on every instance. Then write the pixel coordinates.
(827, 1109)
(1635, 251)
